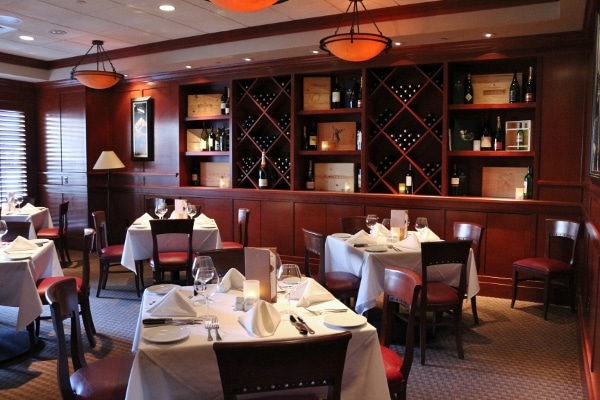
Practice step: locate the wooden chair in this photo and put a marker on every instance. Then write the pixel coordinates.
(401, 288)
(16, 228)
(438, 297)
(225, 259)
(242, 223)
(556, 266)
(274, 365)
(354, 224)
(172, 261)
(473, 233)
(59, 235)
(343, 285)
(104, 379)
(108, 255)
(82, 286)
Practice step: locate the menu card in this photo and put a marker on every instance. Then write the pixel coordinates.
(399, 223)
(180, 211)
(261, 265)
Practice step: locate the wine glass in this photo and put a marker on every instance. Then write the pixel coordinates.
(372, 220)
(288, 277)
(191, 210)
(3, 229)
(161, 209)
(387, 223)
(204, 273)
(421, 224)
(19, 201)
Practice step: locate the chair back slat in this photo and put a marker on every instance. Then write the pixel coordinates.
(314, 243)
(353, 224)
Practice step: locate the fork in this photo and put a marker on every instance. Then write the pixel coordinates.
(327, 310)
(208, 326)
(215, 325)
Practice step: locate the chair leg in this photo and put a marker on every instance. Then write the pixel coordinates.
(139, 266)
(65, 248)
(137, 280)
(458, 332)
(546, 296)
(474, 309)
(31, 331)
(515, 282)
(61, 252)
(88, 323)
(571, 292)
(422, 334)
(100, 280)
(37, 326)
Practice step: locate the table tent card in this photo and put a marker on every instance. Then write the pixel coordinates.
(399, 223)
(180, 210)
(261, 265)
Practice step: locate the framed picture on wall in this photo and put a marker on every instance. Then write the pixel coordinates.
(142, 129)
(595, 136)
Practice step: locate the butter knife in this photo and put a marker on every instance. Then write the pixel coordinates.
(300, 327)
(170, 321)
(310, 330)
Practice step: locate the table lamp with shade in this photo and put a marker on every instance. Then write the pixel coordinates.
(108, 160)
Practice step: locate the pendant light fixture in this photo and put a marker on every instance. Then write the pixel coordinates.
(245, 5)
(354, 45)
(97, 79)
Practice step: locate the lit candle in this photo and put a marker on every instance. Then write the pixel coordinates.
(324, 145)
(222, 182)
(519, 193)
(346, 187)
(251, 289)
(401, 188)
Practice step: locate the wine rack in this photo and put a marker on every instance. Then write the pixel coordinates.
(261, 122)
(404, 127)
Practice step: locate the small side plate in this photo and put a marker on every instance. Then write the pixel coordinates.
(161, 290)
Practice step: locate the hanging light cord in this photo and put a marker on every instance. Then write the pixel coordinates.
(355, 18)
(100, 54)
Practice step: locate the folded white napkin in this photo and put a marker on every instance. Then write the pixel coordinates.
(411, 242)
(233, 279)
(261, 320)
(427, 235)
(361, 237)
(143, 220)
(29, 208)
(310, 292)
(174, 304)
(20, 244)
(380, 233)
(202, 219)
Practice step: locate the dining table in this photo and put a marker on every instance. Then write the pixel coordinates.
(369, 263)
(186, 367)
(39, 217)
(138, 242)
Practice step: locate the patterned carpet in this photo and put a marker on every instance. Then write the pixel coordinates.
(512, 354)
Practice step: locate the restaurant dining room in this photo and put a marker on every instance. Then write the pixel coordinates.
(332, 199)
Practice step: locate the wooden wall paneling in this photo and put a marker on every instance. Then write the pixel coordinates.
(311, 216)
(335, 211)
(277, 225)
(221, 210)
(435, 219)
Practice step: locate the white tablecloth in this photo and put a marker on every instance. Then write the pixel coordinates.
(370, 267)
(18, 277)
(39, 217)
(138, 243)
(189, 370)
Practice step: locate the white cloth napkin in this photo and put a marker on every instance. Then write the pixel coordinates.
(380, 233)
(310, 292)
(361, 237)
(427, 235)
(202, 219)
(29, 208)
(261, 320)
(143, 220)
(233, 279)
(174, 304)
(411, 242)
(20, 244)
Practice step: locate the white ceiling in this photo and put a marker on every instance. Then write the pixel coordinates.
(128, 23)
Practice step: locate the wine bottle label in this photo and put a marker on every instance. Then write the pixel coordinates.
(455, 181)
(312, 141)
(408, 181)
(468, 97)
(335, 97)
(310, 185)
(263, 182)
(486, 142)
(528, 97)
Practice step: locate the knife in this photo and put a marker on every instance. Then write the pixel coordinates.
(301, 328)
(170, 321)
(310, 330)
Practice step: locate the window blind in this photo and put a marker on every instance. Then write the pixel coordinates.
(13, 163)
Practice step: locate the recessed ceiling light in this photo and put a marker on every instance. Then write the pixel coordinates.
(167, 7)
(7, 19)
(27, 38)
(315, 51)
(58, 32)
(247, 59)
(397, 43)
(188, 66)
(488, 35)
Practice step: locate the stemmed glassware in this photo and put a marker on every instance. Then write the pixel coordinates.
(19, 201)
(161, 208)
(421, 224)
(191, 210)
(372, 220)
(206, 280)
(3, 229)
(288, 277)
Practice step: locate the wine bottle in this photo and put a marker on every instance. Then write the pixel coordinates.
(195, 176)
(462, 183)
(454, 182)
(486, 136)
(204, 138)
(224, 100)
(354, 95)
(520, 137)
(499, 136)
(528, 184)
(468, 97)
(211, 140)
(514, 93)
(304, 139)
(224, 140)
(263, 176)
(310, 178)
(530, 88)
(312, 137)
(410, 180)
(359, 95)
(227, 108)
(217, 140)
(336, 95)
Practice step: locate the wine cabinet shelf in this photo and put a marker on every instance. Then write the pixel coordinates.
(469, 153)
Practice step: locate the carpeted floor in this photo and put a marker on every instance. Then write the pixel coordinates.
(512, 354)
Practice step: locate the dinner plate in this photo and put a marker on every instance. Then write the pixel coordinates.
(39, 241)
(161, 290)
(166, 334)
(16, 257)
(342, 235)
(376, 249)
(208, 226)
(139, 227)
(345, 320)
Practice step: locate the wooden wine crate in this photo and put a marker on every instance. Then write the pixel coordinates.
(193, 139)
(512, 127)
(502, 181)
(335, 177)
(492, 89)
(317, 90)
(202, 105)
(337, 135)
(215, 174)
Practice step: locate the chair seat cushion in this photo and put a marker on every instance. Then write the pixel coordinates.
(341, 281)
(48, 233)
(439, 293)
(112, 252)
(392, 363)
(232, 245)
(103, 379)
(42, 284)
(172, 257)
(542, 265)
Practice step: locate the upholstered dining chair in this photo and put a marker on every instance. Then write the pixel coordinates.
(242, 226)
(438, 297)
(59, 234)
(167, 260)
(16, 228)
(108, 255)
(225, 259)
(353, 224)
(82, 286)
(106, 378)
(473, 233)
(401, 289)
(343, 285)
(303, 363)
(556, 265)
